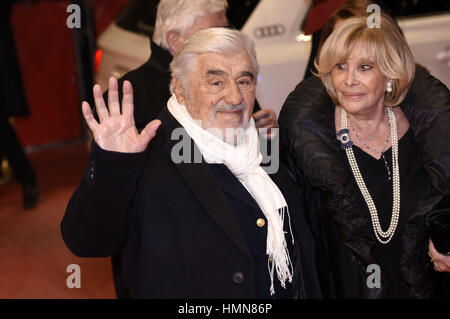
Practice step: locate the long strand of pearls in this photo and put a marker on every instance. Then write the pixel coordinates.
(383, 237)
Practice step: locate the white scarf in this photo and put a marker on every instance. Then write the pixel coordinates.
(244, 162)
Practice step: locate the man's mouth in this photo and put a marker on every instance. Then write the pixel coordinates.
(230, 111)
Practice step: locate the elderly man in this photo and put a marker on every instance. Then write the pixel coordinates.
(176, 20)
(217, 226)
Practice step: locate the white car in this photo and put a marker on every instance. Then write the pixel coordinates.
(282, 48)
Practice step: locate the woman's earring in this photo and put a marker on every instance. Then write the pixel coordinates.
(389, 87)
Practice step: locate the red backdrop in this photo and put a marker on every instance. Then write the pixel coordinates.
(46, 55)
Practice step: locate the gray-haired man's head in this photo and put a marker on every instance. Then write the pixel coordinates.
(177, 20)
(214, 73)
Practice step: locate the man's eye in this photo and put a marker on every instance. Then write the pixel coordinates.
(245, 83)
(216, 83)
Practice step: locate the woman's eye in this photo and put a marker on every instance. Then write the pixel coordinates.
(340, 66)
(366, 67)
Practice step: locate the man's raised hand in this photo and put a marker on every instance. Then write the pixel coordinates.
(117, 131)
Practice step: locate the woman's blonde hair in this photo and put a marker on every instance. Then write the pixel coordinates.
(385, 44)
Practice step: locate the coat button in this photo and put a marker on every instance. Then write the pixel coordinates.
(238, 277)
(260, 222)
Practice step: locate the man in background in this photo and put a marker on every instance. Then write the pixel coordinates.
(176, 20)
(13, 103)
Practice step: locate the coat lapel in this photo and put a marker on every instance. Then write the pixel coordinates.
(230, 184)
(204, 187)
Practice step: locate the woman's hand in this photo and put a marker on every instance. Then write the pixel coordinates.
(117, 131)
(441, 262)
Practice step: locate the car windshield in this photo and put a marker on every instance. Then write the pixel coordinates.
(139, 15)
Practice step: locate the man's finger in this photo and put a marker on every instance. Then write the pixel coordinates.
(113, 97)
(149, 132)
(100, 103)
(127, 99)
(88, 116)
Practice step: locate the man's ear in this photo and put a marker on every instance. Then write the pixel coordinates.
(174, 39)
(178, 90)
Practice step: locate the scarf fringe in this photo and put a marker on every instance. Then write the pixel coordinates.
(280, 259)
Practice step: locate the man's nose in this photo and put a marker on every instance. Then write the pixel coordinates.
(234, 95)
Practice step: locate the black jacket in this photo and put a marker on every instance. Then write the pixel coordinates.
(342, 230)
(177, 226)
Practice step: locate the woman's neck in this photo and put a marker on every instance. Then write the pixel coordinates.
(369, 130)
(370, 121)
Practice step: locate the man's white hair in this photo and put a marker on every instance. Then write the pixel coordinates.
(222, 41)
(180, 15)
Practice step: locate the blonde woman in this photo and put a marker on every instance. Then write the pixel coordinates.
(374, 163)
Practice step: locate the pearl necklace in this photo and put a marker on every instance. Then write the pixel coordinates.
(370, 138)
(372, 148)
(383, 237)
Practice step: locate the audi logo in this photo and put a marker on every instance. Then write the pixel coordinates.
(269, 31)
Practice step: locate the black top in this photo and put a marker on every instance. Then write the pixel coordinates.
(413, 184)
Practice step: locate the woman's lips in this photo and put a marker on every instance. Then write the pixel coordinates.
(353, 96)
